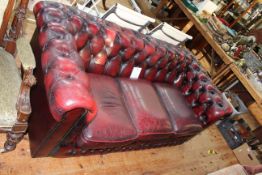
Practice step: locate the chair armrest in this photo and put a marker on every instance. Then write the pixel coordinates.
(23, 105)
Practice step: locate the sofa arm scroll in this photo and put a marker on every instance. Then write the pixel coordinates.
(66, 83)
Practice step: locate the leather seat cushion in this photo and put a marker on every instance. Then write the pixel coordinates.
(112, 122)
(148, 114)
(181, 114)
(10, 81)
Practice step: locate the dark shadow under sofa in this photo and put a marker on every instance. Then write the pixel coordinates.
(85, 102)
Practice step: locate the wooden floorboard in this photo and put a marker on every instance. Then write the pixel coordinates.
(191, 158)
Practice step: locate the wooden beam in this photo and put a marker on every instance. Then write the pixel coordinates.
(188, 26)
(256, 111)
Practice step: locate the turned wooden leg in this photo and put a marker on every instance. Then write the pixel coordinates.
(104, 4)
(14, 136)
(11, 141)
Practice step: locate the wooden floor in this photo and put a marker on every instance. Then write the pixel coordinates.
(191, 158)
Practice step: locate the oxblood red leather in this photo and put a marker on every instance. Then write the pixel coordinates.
(146, 111)
(74, 44)
(112, 114)
(183, 118)
(64, 71)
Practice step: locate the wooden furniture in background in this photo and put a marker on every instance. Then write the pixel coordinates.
(160, 6)
(225, 8)
(228, 61)
(253, 3)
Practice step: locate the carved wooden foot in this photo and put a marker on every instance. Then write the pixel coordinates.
(14, 136)
(23, 111)
(11, 141)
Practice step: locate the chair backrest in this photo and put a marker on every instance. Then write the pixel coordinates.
(127, 18)
(6, 7)
(166, 32)
(3, 6)
(8, 37)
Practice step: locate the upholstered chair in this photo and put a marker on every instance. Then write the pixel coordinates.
(15, 80)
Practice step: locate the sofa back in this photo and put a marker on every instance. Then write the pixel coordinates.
(102, 47)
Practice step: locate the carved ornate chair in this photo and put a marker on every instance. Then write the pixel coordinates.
(14, 84)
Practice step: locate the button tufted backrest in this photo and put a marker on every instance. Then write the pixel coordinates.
(105, 48)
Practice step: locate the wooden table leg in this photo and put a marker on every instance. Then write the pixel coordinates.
(104, 5)
(221, 73)
(160, 6)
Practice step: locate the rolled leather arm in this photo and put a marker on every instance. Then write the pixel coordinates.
(65, 80)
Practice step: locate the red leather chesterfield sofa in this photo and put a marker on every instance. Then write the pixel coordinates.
(84, 101)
